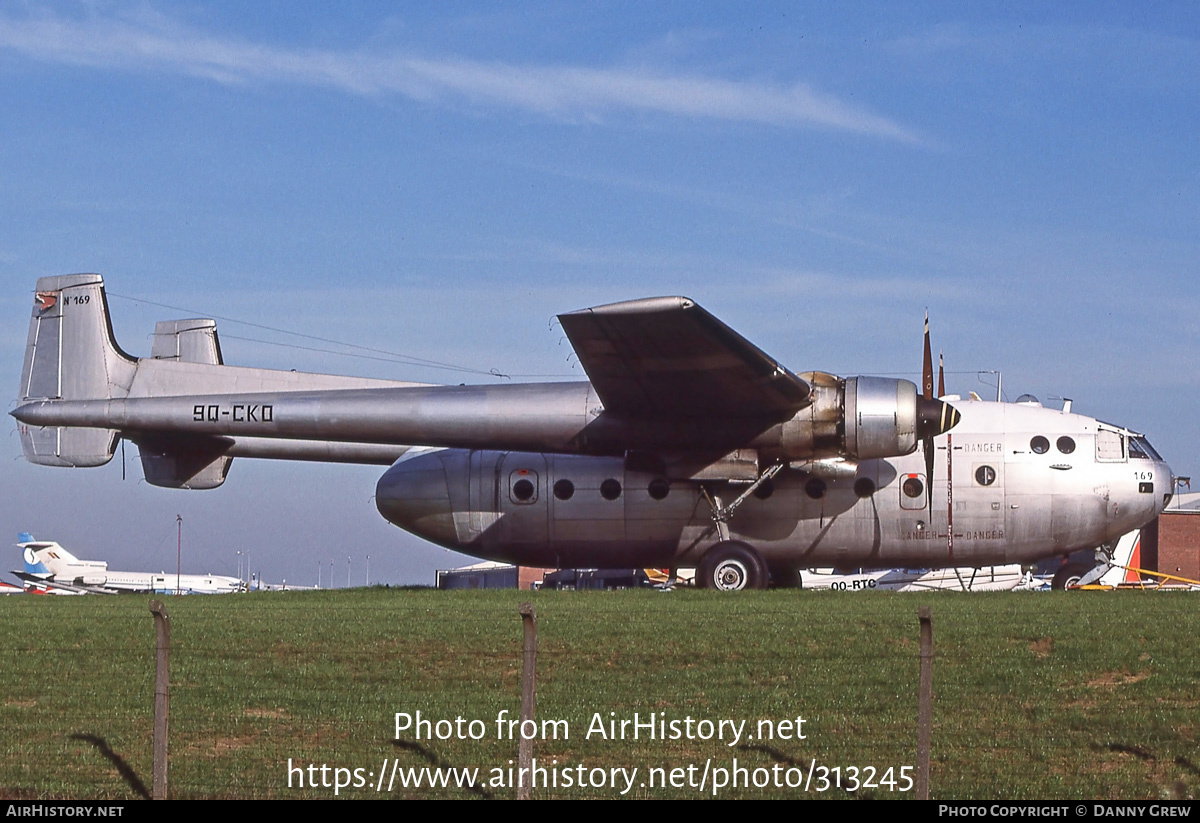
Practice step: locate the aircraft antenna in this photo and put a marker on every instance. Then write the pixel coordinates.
(383, 354)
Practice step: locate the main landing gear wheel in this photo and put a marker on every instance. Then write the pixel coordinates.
(1069, 576)
(731, 567)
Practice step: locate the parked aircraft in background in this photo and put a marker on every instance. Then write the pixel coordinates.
(688, 447)
(987, 579)
(1121, 569)
(51, 567)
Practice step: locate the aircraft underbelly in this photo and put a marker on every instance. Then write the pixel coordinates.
(575, 510)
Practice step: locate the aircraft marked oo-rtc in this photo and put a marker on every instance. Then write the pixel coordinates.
(687, 446)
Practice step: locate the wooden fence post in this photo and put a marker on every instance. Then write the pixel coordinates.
(162, 697)
(528, 676)
(925, 703)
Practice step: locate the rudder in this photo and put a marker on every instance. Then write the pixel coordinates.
(71, 355)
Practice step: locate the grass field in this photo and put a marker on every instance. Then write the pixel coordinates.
(1072, 696)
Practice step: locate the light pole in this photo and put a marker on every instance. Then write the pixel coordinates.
(178, 552)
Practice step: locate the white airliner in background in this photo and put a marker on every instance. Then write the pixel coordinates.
(51, 567)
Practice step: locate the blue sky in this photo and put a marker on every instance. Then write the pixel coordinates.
(440, 180)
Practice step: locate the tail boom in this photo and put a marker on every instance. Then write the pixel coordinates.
(73, 362)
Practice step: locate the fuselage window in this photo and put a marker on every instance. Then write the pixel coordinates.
(864, 487)
(815, 488)
(985, 475)
(1065, 445)
(912, 486)
(523, 488)
(610, 489)
(659, 488)
(1039, 444)
(564, 489)
(765, 489)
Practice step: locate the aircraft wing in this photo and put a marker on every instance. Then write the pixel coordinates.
(51, 583)
(666, 357)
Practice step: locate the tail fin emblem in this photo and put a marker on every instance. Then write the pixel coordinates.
(46, 299)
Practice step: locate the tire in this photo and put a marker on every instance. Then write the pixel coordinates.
(732, 567)
(1068, 576)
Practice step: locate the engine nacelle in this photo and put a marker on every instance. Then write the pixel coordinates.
(880, 417)
(860, 418)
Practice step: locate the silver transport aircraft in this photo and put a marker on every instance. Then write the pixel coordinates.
(687, 447)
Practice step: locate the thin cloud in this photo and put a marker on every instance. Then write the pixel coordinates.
(567, 92)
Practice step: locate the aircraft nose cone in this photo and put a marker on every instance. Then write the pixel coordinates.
(414, 495)
(935, 417)
(1170, 492)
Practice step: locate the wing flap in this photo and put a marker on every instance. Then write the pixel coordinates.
(668, 357)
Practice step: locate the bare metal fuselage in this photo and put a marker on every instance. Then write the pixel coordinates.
(1010, 503)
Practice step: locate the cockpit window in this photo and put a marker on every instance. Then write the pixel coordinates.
(1140, 447)
(1110, 446)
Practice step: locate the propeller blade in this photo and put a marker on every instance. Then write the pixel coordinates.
(941, 374)
(934, 416)
(927, 365)
(929, 455)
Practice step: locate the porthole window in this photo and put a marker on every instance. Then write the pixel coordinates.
(985, 475)
(1039, 444)
(522, 490)
(659, 488)
(815, 488)
(765, 489)
(864, 487)
(912, 486)
(564, 489)
(610, 489)
(1066, 445)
